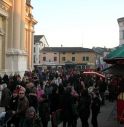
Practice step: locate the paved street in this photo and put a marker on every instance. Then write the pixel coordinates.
(106, 118)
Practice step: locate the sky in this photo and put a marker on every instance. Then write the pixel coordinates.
(78, 23)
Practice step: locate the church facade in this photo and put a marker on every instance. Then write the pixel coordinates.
(16, 36)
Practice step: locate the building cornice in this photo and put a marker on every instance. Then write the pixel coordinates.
(31, 20)
(16, 52)
(4, 7)
(120, 19)
(8, 2)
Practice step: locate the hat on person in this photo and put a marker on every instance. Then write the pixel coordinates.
(4, 85)
(30, 109)
(22, 89)
(30, 112)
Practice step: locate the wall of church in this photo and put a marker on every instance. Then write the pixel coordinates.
(16, 31)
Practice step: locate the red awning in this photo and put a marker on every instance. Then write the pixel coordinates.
(95, 73)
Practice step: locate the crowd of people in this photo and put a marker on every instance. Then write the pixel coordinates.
(57, 96)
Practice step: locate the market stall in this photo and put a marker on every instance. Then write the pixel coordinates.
(116, 60)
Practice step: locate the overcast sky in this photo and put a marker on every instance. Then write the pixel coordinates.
(79, 23)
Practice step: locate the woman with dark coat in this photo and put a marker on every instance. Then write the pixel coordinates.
(32, 97)
(31, 119)
(68, 108)
(84, 107)
(95, 107)
(5, 97)
(44, 112)
(22, 106)
(12, 105)
(54, 104)
(13, 101)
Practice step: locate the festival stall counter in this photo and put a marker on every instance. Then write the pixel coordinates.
(120, 107)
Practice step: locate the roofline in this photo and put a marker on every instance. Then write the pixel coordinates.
(120, 19)
(46, 40)
(52, 49)
(41, 37)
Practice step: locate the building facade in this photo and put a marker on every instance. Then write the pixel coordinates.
(16, 36)
(49, 56)
(39, 43)
(121, 30)
(66, 55)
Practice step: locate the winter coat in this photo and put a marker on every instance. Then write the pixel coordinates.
(84, 106)
(32, 98)
(44, 112)
(32, 122)
(68, 107)
(5, 97)
(13, 103)
(23, 105)
(95, 106)
(54, 102)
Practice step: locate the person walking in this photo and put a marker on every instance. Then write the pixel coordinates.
(68, 108)
(84, 107)
(31, 119)
(95, 107)
(19, 114)
(44, 112)
(54, 104)
(5, 97)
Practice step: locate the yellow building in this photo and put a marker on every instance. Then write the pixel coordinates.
(16, 35)
(69, 55)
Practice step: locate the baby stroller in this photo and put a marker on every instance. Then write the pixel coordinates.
(2, 119)
(5, 117)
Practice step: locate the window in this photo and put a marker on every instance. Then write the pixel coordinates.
(73, 58)
(54, 52)
(44, 58)
(63, 52)
(55, 58)
(83, 58)
(63, 58)
(87, 58)
(34, 59)
(44, 53)
(122, 34)
(34, 49)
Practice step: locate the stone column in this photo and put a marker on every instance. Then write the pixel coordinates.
(30, 48)
(22, 27)
(16, 26)
(30, 39)
(9, 28)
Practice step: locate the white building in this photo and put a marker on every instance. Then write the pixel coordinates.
(121, 30)
(39, 43)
